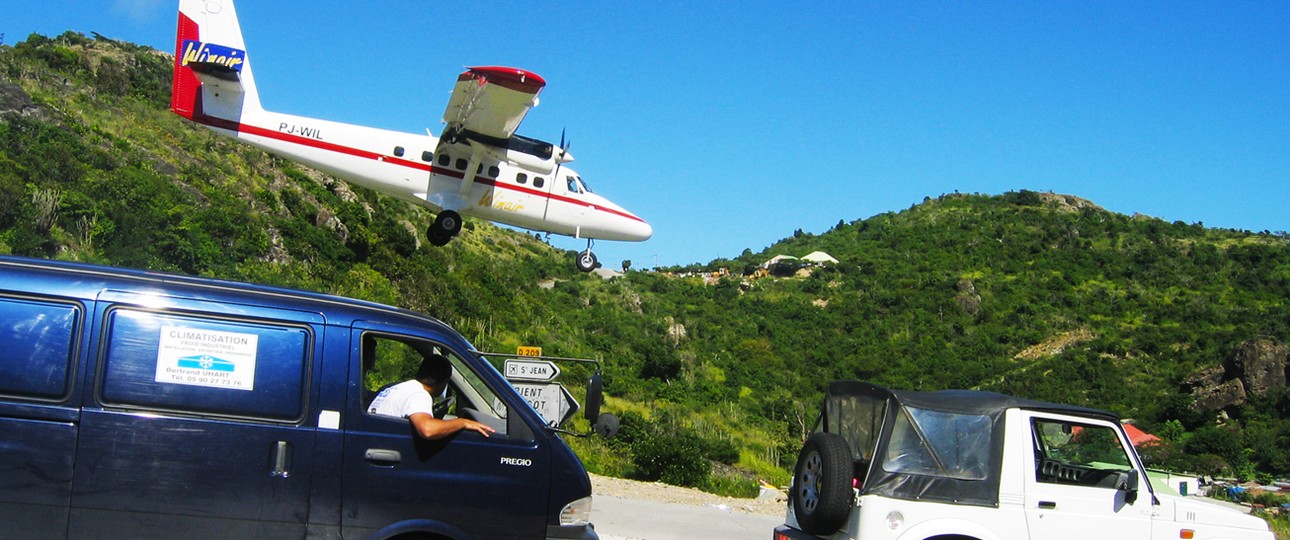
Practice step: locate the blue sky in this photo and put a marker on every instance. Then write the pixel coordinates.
(728, 125)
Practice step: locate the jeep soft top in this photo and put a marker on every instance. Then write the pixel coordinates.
(952, 453)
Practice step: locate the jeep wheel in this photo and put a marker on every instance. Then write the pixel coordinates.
(822, 492)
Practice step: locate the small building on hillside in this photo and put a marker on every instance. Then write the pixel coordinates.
(820, 258)
(779, 259)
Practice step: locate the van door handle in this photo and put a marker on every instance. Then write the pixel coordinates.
(1047, 505)
(281, 460)
(381, 456)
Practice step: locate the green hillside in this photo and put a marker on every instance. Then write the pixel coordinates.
(1181, 327)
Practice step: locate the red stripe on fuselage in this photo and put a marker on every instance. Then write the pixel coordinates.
(239, 127)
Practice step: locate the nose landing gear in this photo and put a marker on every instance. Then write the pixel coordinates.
(587, 260)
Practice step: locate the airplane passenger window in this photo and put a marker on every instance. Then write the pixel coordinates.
(521, 178)
(539, 181)
(427, 156)
(494, 172)
(444, 160)
(398, 151)
(461, 164)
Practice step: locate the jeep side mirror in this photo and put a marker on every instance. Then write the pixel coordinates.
(1128, 483)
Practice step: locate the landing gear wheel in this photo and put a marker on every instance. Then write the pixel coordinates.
(587, 261)
(822, 494)
(436, 237)
(445, 227)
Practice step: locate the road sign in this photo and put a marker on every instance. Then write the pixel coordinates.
(550, 400)
(531, 370)
(523, 350)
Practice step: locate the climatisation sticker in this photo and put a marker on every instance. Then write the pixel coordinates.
(199, 357)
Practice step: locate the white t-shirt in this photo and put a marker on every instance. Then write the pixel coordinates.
(402, 400)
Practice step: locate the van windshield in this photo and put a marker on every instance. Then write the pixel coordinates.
(486, 395)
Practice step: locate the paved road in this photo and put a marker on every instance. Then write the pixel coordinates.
(619, 518)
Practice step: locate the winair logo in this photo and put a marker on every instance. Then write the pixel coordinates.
(210, 53)
(517, 462)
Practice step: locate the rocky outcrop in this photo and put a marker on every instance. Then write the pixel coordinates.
(13, 100)
(1260, 364)
(968, 298)
(1226, 394)
(1254, 368)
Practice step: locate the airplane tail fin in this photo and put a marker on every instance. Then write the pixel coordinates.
(212, 75)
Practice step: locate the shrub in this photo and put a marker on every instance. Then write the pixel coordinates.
(731, 486)
(675, 459)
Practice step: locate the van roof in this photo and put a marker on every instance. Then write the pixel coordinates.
(86, 280)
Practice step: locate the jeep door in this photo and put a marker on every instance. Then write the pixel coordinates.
(485, 487)
(1077, 482)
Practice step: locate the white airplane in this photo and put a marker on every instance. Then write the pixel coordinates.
(478, 166)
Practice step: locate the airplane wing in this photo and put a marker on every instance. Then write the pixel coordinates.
(488, 103)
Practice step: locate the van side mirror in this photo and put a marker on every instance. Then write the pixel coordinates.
(606, 425)
(594, 396)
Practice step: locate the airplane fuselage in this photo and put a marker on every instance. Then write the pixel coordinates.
(520, 191)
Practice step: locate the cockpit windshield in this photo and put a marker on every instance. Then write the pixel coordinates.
(576, 185)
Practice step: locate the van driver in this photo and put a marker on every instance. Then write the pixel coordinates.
(412, 400)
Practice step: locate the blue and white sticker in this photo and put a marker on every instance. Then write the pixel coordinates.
(200, 357)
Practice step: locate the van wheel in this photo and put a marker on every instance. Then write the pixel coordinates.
(822, 493)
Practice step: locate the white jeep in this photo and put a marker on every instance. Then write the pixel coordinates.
(969, 465)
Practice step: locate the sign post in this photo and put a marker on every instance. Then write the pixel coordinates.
(550, 400)
(531, 370)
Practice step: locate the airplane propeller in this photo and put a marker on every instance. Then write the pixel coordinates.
(586, 260)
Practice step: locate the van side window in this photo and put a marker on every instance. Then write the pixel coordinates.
(390, 359)
(172, 362)
(1078, 454)
(39, 340)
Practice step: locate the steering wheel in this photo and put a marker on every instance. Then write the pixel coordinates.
(442, 406)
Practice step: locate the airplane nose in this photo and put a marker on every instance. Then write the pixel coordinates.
(641, 231)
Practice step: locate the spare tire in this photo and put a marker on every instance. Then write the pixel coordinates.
(822, 492)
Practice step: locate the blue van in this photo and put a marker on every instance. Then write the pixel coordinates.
(144, 405)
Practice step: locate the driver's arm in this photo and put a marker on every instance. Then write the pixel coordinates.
(429, 427)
